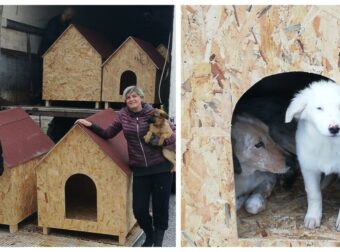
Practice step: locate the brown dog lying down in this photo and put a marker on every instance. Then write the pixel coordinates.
(159, 130)
(257, 161)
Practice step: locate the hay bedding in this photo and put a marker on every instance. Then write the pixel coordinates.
(284, 215)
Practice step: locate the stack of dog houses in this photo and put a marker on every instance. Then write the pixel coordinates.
(84, 182)
(81, 65)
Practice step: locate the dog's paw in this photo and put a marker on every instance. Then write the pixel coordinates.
(312, 222)
(160, 142)
(146, 139)
(240, 201)
(255, 204)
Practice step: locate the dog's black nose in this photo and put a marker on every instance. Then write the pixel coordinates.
(334, 129)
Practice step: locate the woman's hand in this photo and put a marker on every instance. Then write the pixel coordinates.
(84, 122)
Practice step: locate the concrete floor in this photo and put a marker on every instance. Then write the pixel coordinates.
(30, 235)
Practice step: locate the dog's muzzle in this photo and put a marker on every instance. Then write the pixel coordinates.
(334, 130)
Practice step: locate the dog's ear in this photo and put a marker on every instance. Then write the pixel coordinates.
(296, 107)
(164, 115)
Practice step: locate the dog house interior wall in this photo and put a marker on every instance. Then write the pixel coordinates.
(225, 51)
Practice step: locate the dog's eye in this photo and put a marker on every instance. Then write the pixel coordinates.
(259, 145)
(319, 108)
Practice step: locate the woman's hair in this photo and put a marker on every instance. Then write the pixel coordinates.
(132, 89)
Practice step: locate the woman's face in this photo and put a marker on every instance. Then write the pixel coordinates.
(134, 102)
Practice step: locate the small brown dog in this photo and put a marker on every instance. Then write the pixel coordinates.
(160, 130)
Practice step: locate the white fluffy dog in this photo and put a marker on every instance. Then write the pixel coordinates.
(317, 109)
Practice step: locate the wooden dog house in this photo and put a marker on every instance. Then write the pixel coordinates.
(72, 65)
(23, 145)
(226, 50)
(84, 183)
(135, 62)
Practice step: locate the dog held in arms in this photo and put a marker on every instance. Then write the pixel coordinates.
(317, 109)
(257, 162)
(159, 130)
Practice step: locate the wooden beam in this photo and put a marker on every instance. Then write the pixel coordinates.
(13, 228)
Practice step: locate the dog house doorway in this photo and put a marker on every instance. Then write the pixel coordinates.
(283, 216)
(128, 78)
(80, 198)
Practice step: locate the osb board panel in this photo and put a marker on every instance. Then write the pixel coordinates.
(6, 196)
(129, 57)
(72, 69)
(18, 193)
(130, 219)
(78, 154)
(226, 50)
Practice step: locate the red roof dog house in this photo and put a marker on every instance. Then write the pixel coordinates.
(23, 145)
(135, 62)
(84, 183)
(72, 66)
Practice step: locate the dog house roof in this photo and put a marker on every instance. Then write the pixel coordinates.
(21, 138)
(115, 148)
(103, 46)
(148, 48)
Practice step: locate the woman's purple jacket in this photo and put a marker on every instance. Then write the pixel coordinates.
(135, 126)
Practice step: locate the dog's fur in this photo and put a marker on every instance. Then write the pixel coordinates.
(317, 109)
(160, 130)
(256, 160)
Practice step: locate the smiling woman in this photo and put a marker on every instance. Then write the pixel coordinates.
(151, 171)
(133, 98)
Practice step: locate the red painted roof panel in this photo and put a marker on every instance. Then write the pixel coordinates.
(102, 45)
(115, 148)
(21, 138)
(151, 51)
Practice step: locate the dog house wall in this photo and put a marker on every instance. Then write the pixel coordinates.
(238, 45)
(82, 152)
(23, 145)
(142, 59)
(72, 65)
